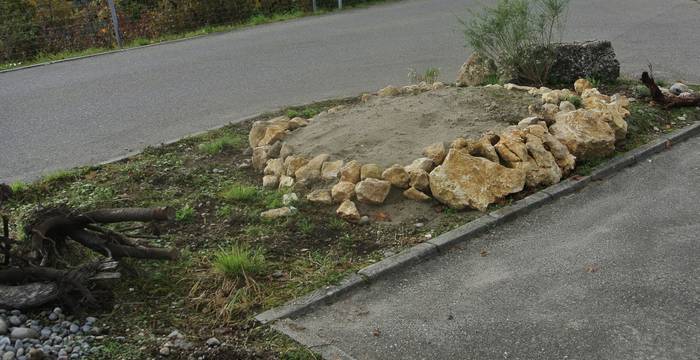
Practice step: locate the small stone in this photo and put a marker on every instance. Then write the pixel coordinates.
(348, 211)
(424, 164)
(297, 122)
(331, 169)
(285, 150)
(53, 316)
(212, 342)
(23, 333)
(370, 171)
(419, 179)
(413, 194)
(14, 320)
(321, 196)
(372, 191)
(274, 167)
(278, 213)
(389, 91)
(678, 88)
(260, 156)
(566, 106)
(273, 134)
(165, 351)
(342, 191)
(397, 176)
(9, 355)
(311, 171)
(74, 328)
(435, 152)
(270, 181)
(351, 172)
(286, 182)
(293, 163)
(290, 198)
(3, 327)
(582, 85)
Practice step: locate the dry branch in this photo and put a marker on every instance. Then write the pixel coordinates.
(668, 101)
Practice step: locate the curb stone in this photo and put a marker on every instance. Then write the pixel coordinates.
(299, 334)
(443, 242)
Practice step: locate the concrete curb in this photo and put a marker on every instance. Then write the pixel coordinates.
(313, 342)
(442, 243)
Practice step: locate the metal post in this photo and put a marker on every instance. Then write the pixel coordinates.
(313, 4)
(340, 4)
(115, 22)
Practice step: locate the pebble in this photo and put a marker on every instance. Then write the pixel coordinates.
(212, 342)
(23, 333)
(364, 220)
(678, 88)
(3, 327)
(15, 321)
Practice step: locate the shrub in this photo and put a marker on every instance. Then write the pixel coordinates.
(518, 36)
(239, 261)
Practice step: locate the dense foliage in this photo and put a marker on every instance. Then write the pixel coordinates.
(33, 27)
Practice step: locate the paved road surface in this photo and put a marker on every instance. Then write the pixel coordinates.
(91, 110)
(532, 298)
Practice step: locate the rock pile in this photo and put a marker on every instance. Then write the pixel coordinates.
(56, 336)
(474, 173)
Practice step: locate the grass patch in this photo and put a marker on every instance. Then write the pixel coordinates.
(240, 193)
(575, 100)
(239, 261)
(305, 112)
(220, 144)
(18, 187)
(185, 214)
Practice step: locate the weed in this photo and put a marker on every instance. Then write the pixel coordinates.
(430, 75)
(256, 230)
(337, 224)
(306, 112)
(224, 211)
(57, 176)
(220, 144)
(18, 187)
(595, 82)
(661, 83)
(238, 261)
(492, 79)
(185, 214)
(305, 226)
(641, 91)
(240, 193)
(575, 100)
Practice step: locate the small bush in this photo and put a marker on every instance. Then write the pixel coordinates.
(185, 214)
(517, 35)
(576, 100)
(240, 193)
(239, 261)
(218, 145)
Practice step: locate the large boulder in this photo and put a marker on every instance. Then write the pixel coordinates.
(475, 71)
(468, 181)
(372, 191)
(590, 59)
(585, 133)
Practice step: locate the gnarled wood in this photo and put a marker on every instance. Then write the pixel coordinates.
(668, 101)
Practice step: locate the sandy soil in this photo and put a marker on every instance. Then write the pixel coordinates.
(394, 130)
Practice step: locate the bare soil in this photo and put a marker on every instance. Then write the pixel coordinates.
(394, 130)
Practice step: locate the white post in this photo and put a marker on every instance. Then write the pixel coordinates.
(115, 22)
(313, 2)
(340, 4)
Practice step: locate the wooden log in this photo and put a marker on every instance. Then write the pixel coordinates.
(668, 101)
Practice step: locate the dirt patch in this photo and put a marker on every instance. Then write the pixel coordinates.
(390, 130)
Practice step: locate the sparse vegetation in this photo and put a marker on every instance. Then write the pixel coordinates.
(430, 75)
(185, 214)
(575, 100)
(305, 112)
(240, 193)
(220, 144)
(517, 35)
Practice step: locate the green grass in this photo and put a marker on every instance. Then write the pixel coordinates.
(241, 193)
(238, 261)
(305, 112)
(576, 100)
(492, 79)
(220, 144)
(185, 214)
(18, 187)
(59, 175)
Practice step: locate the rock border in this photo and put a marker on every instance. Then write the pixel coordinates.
(442, 243)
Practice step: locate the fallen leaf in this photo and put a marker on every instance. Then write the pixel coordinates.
(376, 332)
(591, 268)
(484, 252)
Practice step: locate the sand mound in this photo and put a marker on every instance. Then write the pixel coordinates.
(390, 130)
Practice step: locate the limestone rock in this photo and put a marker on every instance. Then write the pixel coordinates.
(438, 85)
(613, 113)
(273, 133)
(547, 112)
(551, 97)
(320, 196)
(515, 154)
(417, 195)
(286, 182)
(370, 171)
(256, 133)
(389, 91)
(311, 171)
(351, 172)
(331, 169)
(517, 87)
(484, 148)
(297, 122)
(285, 150)
(468, 181)
(372, 191)
(562, 156)
(424, 164)
(419, 179)
(582, 85)
(260, 156)
(270, 181)
(274, 167)
(411, 90)
(293, 163)
(566, 106)
(435, 152)
(532, 120)
(344, 190)
(365, 97)
(585, 134)
(547, 171)
(459, 143)
(348, 211)
(397, 176)
(278, 213)
(475, 71)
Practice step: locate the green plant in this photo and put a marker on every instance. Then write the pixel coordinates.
(240, 193)
(185, 214)
(18, 187)
(224, 211)
(58, 175)
(595, 82)
(575, 99)
(219, 144)
(430, 75)
(518, 36)
(491, 79)
(239, 261)
(305, 226)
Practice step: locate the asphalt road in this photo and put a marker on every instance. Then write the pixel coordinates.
(610, 272)
(94, 109)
